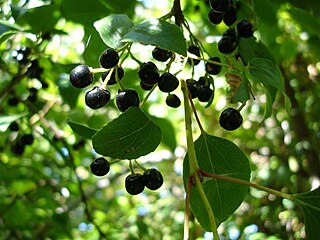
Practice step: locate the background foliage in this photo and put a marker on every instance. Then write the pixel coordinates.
(47, 192)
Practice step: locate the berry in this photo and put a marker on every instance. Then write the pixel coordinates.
(193, 87)
(14, 127)
(145, 86)
(100, 167)
(219, 5)
(215, 17)
(127, 98)
(161, 55)
(97, 97)
(13, 100)
(18, 148)
(27, 139)
(213, 69)
(173, 100)
(230, 119)
(227, 45)
(152, 179)
(205, 93)
(148, 73)
(245, 29)
(195, 51)
(134, 183)
(33, 95)
(109, 58)
(81, 77)
(230, 16)
(112, 80)
(168, 82)
(35, 71)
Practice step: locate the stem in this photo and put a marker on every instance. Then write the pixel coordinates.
(177, 12)
(250, 184)
(98, 70)
(187, 211)
(196, 115)
(193, 163)
(140, 166)
(147, 96)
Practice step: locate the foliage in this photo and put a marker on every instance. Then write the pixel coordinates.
(260, 181)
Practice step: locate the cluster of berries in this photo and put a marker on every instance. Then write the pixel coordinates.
(21, 140)
(226, 11)
(134, 182)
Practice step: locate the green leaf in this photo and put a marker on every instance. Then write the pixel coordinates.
(129, 136)
(265, 71)
(159, 33)
(82, 130)
(249, 48)
(6, 35)
(310, 205)
(307, 21)
(6, 120)
(113, 28)
(69, 93)
(219, 156)
(6, 26)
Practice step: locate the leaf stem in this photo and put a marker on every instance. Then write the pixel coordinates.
(196, 115)
(147, 96)
(187, 211)
(250, 184)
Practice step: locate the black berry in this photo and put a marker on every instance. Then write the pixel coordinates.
(109, 58)
(168, 82)
(193, 87)
(134, 183)
(219, 5)
(152, 179)
(27, 139)
(18, 148)
(230, 16)
(230, 119)
(127, 98)
(13, 100)
(14, 126)
(145, 86)
(112, 80)
(81, 77)
(211, 68)
(161, 55)
(97, 97)
(148, 73)
(245, 29)
(33, 94)
(195, 50)
(215, 17)
(35, 71)
(227, 45)
(173, 100)
(100, 167)
(205, 93)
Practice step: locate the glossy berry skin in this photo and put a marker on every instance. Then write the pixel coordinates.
(127, 98)
(230, 119)
(205, 93)
(134, 183)
(112, 80)
(245, 29)
(173, 101)
(195, 50)
(215, 17)
(152, 179)
(227, 45)
(168, 82)
(149, 73)
(81, 77)
(145, 87)
(100, 167)
(97, 97)
(193, 87)
(212, 68)
(230, 16)
(27, 139)
(109, 58)
(161, 55)
(219, 5)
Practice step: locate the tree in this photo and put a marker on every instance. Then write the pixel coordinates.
(145, 120)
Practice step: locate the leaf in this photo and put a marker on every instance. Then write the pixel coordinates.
(129, 136)
(249, 48)
(265, 71)
(310, 205)
(6, 35)
(82, 130)
(69, 93)
(219, 156)
(113, 28)
(6, 26)
(6, 120)
(159, 33)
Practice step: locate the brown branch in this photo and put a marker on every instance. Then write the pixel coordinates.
(177, 12)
